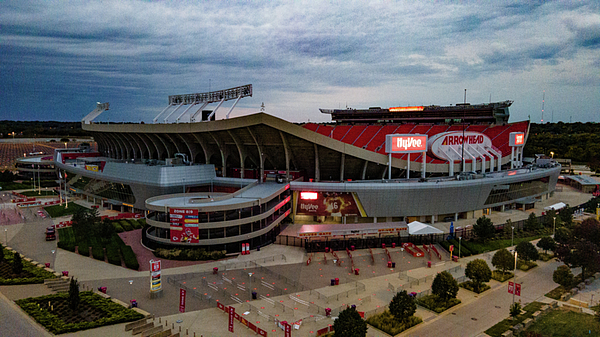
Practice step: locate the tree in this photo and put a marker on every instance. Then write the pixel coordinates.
(526, 251)
(515, 309)
(479, 272)
(503, 260)
(582, 254)
(563, 276)
(549, 219)
(1, 254)
(531, 223)
(403, 306)
(73, 294)
(563, 235)
(484, 228)
(444, 286)
(546, 243)
(589, 229)
(17, 266)
(350, 324)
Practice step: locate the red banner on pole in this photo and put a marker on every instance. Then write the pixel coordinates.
(231, 318)
(288, 330)
(518, 289)
(511, 286)
(181, 300)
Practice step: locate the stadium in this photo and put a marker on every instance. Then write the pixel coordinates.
(222, 183)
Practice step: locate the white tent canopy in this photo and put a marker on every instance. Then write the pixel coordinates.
(416, 228)
(555, 207)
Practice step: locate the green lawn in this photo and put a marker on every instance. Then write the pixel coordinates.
(498, 329)
(9, 186)
(37, 194)
(566, 323)
(58, 210)
(499, 244)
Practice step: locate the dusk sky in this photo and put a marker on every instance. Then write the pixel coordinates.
(58, 58)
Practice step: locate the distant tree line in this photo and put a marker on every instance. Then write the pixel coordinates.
(579, 142)
(31, 129)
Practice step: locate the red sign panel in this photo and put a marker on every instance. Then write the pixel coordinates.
(406, 143)
(181, 300)
(518, 289)
(231, 318)
(516, 139)
(511, 287)
(261, 332)
(184, 225)
(329, 204)
(288, 330)
(154, 266)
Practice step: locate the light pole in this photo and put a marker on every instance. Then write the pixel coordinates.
(515, 275)
(250, 276)
(459, 240)
(554, 227)
(6, 236)
(512, 240)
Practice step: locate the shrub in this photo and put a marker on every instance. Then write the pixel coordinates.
(129, 258)
(563, 276)
(135, 224)
(437, 304)
(515, 309)
(463, 250)
(118, 227)
(112, 254)
(1, 254)
(142, 222)
(471, 287)
(98, 253)
(546, 243)
(388, 323)
(84, 249)
(126, 225)
(501, 276)
(74, 294)
(17, 265)
(525, 265)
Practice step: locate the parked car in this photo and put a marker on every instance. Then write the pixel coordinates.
(50, 233)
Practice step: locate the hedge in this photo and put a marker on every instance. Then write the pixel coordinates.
(464, 252)
(118, 227)
(126, 225)
(98, 253)
(70, 246)
(134, 224)
(84, 249)
(129, 258)
(189, 254)
(142, 222)
(112, 254)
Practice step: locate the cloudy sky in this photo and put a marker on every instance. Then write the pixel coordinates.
(58, 58)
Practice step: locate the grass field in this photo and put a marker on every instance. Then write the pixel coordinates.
(37, 194)
(60, 210)
(566, 323)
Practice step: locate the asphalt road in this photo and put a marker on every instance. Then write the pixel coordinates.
(15, 323)
(491, 308)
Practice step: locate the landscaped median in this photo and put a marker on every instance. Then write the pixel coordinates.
(500, 328)
(53, 312)
(29, 272)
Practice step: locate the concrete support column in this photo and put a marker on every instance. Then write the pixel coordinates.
(343, 160)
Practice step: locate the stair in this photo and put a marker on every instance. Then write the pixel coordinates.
(58, 285)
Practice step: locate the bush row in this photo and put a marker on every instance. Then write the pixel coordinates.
(464, 251)
(469, 286)
(189, 254)
(129, 258)
(128, 225)
(112, 254)
(387, 323)
(433, 302)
